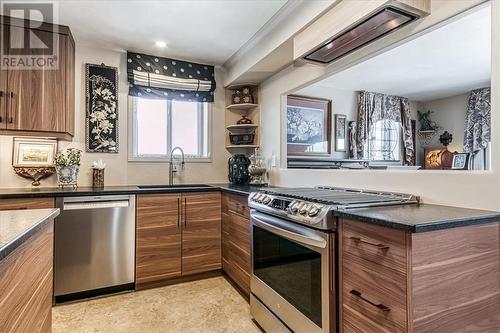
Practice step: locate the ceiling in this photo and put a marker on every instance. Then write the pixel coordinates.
(448, 61)
(194, 30)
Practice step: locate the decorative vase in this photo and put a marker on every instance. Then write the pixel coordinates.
(238, 169)
(97, 177)
(257, 169)
(67, 175)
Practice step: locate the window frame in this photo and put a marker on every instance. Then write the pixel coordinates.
(401, 148)
(132, 136)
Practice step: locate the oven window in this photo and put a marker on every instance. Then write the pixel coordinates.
(290, 269)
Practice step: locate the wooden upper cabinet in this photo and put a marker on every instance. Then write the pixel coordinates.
(201, 235)
(158, 238)
(40, 101)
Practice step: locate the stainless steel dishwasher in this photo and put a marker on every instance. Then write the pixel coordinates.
(94, 246)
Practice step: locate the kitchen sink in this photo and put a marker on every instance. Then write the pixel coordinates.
(174, 186)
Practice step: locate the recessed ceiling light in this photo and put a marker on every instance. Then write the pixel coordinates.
(161, 44)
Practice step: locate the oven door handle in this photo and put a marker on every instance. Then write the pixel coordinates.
(288, 230)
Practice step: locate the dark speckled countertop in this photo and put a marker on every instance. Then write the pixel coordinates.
(421, 218)
(10, 193)
(16, 226)
(411, 218)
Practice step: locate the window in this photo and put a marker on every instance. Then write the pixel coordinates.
(385, 141)
(157, 126)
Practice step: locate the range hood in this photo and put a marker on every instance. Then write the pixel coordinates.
(375, 26)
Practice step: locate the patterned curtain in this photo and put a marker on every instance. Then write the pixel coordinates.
(165, 78)
(373, 107)
(478, 121)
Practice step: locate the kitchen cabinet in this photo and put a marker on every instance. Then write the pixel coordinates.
(28, 203)
(177, 235)
(39, 101)
(158, 238)
(437, 281)
(201, 232)
(26, 274)
(236, 240)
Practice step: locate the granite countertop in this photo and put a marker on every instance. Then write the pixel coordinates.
(16, 226)
(421, 218)
(10, 193)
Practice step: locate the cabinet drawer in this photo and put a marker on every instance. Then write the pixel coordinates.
(236, 203)
(374, 293)
(379, 245)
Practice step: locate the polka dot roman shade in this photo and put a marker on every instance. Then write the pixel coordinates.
(164, 78)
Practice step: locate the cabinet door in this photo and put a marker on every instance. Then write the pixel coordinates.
(37, 97)
(158, 238)
(201, 235)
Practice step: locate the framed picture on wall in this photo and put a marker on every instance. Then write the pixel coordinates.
(340, 132)
(308, 126)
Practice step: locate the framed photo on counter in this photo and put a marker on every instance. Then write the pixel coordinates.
(28, 152)
(340, 132)
(308, 126)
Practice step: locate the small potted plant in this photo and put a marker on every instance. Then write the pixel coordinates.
(68, 166)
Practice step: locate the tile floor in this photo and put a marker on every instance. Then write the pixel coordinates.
(205, 306)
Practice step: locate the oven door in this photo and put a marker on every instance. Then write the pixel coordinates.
(291, 273)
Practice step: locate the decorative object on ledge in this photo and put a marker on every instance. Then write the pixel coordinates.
(353, 151)
(340, 132)
(36, 174)
(460, 161)
(308, 126)
(164, 78)
(34, 158)
(67, 167)
(102, 109)
(438, 158)
(445, 138)
(257, 169)
(428, 128)
(244, 120)
(238, 169)
(98, 173)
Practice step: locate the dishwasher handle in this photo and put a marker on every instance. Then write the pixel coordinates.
(97, 202)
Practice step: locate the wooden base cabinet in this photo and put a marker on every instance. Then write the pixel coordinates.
(33, 203)
(177, 235)
(27, 274)
(236, 240)
(444, 281)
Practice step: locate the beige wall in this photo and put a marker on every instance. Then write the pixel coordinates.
(461, 188)
(119, 171)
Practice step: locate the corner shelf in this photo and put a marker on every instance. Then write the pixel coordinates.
(234, 112)
(241, 146)
(242, 106)
(242, 126)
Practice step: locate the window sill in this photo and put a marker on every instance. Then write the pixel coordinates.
(167, 160)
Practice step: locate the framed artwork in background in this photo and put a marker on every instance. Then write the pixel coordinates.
(102, 109)
(308, 126)
(340, 132)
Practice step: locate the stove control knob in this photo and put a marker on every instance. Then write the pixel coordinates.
(293, 207)
(304, 208)
(267, 199)
(254, 196)
(313, 210)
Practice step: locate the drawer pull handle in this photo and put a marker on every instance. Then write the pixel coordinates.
(380, 306)
(378, 246)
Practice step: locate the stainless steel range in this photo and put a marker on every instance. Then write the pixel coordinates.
(294, 254)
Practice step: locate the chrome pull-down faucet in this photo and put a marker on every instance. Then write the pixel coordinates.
(171, 166)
